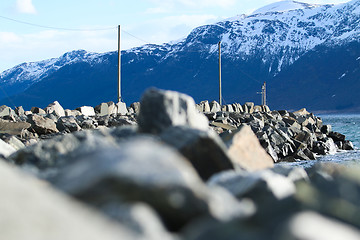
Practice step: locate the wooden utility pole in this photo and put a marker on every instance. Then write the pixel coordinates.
(263, 93)
(119, 64)
(220, 95)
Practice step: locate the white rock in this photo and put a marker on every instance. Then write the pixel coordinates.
(121, 108)
(86, 110)
(6, 149)
(55, 107)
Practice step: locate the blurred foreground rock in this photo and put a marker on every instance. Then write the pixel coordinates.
(31, 209)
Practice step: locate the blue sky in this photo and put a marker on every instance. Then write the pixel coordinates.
(153, 21)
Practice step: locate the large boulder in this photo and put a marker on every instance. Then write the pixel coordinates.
(140, 169)
(42, 125)
(333, 185)
(13, 128)
(30, 209)
(161, 109)
(204, 149)
(56, 108)
(244, 149)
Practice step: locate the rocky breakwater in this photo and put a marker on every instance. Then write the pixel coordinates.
(168, 177)
(286, 136)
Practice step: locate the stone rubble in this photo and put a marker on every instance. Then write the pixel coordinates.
(172, 169)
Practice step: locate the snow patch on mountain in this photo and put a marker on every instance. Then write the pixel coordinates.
(284, 6)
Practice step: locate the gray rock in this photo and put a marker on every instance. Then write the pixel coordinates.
(294, 174)
(203, 106)
(225, 126)
(121, 108)
(86, 122)
(6, 149)
(136, 107)
(14, 142)
(257, 185)
(112, 108)
(229, 108)
(313, 226)
(347, 145)
(28, 211)
(38, 110)
(139, 218)
(265, 143)
(53, 116)
(102, 109)
(51, 155)
(161, 109)
(249, 107)
(204, 149)
(326, 129)
(225, 207)
(291, 122)
(130, 110)
(215, 107)
(14, 128)
(120, 121)
(244, 149)
(5, 111)
(337, 136)
(327, 146)
(238, 108)
(86, 110)
(72, 113)
(20, 111)
(301, 112)
(266, 108)
(42, 125)
(258, 109)
(67, 124)
(140, 169)
(56, 108)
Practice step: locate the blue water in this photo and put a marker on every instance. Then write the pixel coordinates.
(347, 124)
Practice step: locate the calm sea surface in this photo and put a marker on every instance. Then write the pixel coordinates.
(349, 125)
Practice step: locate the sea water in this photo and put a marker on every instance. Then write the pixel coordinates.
(347, 124)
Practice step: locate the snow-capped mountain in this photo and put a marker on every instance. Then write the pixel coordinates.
(26, 74)
(263, 46)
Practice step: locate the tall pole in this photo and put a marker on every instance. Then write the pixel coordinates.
(220, 96)
(264, 94)
(119, 64)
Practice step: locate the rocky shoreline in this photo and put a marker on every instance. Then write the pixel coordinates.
(167, 168)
